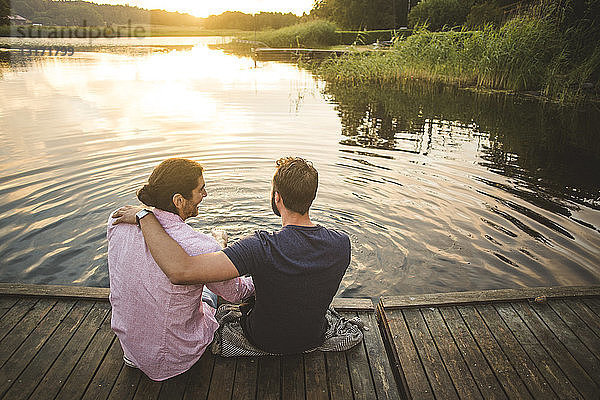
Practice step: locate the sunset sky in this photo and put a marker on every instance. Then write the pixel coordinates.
(203, 8)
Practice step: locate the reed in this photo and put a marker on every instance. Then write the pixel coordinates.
(308, 34)
(530, 52)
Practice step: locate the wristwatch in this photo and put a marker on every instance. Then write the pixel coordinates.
(141, 214)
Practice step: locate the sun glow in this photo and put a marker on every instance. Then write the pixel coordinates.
(204, 9)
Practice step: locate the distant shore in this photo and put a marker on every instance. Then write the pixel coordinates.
(114, 31)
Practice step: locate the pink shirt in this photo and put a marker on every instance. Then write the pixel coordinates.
(163, 328)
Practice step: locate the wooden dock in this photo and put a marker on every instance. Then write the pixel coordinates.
(56, 342)
(277, 54)
(541, 343)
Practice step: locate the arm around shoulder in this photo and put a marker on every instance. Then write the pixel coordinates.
(180, 268)
(206, 268)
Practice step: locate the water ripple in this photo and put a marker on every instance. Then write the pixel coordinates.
(438, 190)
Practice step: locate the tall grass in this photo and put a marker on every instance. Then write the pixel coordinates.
(308, 34)
(526, 53)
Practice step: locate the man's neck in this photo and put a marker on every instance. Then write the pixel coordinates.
(296, 219)
(176, 214)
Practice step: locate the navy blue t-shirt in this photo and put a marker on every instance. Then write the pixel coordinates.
(296, 273)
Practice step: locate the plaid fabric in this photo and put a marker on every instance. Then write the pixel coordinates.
(230, 341)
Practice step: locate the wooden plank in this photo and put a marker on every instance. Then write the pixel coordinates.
(12, 319)
(54, 291)
(445, 299)
(352, 304)
(221, 383)
(315, 376)
(80, 377)
(360, 374)
(593, 304)
(269, 382)
(34, 341)
(577, 326)
(555, 377)
(483, 375)
(37, 369)
(586, 314)
(298, 50)
(147, 389)
(174, 388)
(101, 294)
(246, 374)
(439, 379)
(200, 377)
(416, 385)
(70, 356)
(292, 377)
(6, 304)
(531, 376)
(504, 371)
(126, 383)
(576, 374)
(92, 293)
(569, 339)
(457, 368)
(104, 378)
(277, 54)
(379, 364)
(338, 376)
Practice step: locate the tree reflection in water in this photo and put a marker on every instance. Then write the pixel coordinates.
(553, 151)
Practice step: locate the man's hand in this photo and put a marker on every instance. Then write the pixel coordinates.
(220, 236)
(126, 215)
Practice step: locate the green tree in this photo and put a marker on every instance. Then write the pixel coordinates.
(440, 13)
(4, 10)
(485, 13)
(243, 21)
(361, 14)
(76, 12)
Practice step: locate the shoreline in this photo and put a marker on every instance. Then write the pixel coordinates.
(332, 72)
(111, 32)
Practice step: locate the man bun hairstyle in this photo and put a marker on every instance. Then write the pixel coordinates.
(296, 181)
(172, 176)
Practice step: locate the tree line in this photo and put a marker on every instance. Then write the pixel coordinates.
(260, 21)
(79, 13)
(363, 14)
(393, 14)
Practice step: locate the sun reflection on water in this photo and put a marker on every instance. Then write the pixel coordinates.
(438, 191)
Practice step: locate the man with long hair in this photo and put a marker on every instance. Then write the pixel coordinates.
(165, 328)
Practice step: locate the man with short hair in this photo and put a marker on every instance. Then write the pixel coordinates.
(165, 328)
(297, 270)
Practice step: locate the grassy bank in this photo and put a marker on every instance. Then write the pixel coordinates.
(308, 34)
(531, 52)
(314, 34)
(318, 34)
(513, 58)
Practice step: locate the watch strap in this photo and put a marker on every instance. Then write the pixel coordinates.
(141, 214)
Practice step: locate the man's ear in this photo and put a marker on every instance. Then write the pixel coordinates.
(277, 197)
(178, 200)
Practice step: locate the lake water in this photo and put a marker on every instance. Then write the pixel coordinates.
(439, 189)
